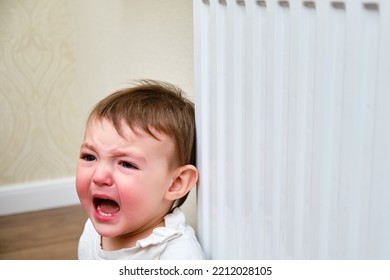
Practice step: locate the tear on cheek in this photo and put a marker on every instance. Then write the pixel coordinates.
(106, 207)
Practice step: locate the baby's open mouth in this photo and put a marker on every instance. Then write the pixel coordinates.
(106, 207)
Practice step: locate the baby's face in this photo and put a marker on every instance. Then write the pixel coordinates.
(122, 181)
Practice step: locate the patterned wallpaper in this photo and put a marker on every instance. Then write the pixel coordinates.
(38, 103)
(58, 57)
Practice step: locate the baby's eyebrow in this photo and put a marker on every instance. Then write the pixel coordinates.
(87, 146)
(118, 153)
(124, 153)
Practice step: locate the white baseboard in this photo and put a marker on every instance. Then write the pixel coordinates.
(28, 197)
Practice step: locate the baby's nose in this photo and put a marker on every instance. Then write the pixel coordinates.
(103, 175)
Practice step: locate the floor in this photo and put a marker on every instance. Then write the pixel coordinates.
(43, 235)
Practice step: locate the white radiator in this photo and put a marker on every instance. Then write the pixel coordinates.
(293, 128)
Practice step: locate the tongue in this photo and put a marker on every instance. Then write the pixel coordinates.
(108, 206)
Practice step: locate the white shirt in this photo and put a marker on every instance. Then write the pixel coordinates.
(175, 241)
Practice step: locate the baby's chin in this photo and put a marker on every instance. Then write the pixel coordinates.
(107, 230)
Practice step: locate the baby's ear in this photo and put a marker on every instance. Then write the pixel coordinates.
(185, 178)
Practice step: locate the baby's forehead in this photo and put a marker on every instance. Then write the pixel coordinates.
(127, 130)
(145, 131)
(129, 135)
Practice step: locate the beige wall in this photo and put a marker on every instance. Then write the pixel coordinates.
(57, 58)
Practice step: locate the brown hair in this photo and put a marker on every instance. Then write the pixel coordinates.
(158, 105)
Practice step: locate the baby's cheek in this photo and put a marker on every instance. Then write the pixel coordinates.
(133, 201)
(82, 187)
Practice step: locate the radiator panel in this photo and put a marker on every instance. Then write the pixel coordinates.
(293, 128)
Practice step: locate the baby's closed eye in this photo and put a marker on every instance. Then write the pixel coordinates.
(127, 164)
